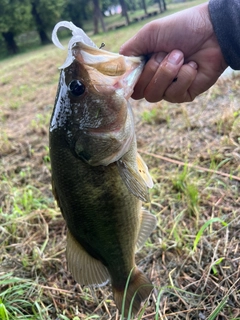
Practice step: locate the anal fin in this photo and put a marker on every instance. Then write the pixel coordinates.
(85, 269)
(148, 223)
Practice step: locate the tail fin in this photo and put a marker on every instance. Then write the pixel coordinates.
(138, 290)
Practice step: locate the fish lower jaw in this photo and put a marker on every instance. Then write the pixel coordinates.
(102, 130)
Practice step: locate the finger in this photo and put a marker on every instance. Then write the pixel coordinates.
(179, 90)
(147, 74)
(143, 43)
(164, 76)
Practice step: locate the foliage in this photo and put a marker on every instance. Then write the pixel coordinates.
(108, 3)
(15, 16)
(48, 11)
(77, 11)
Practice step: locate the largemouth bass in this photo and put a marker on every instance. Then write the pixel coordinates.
(99, 180)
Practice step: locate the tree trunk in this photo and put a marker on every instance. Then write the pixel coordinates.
(102, 21)
(164, 5)
(144, 7)
(74, 16)
(97, 15)
(124, 10)
(95, 23)
(160, 5)
(40, 28)
(84, 13)
(43, 37)
(132, 5)
(10, 42)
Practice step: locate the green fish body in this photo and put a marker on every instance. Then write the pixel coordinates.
(99, 180)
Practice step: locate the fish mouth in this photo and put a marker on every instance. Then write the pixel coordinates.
(118, 73)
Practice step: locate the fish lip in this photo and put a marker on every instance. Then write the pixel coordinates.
(99, 130)
(123, 65)
(129, 80)
(120, 72)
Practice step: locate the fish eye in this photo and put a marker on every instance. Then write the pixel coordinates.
(76, 87)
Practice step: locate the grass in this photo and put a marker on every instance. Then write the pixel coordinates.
(15, 299)
(192, 151)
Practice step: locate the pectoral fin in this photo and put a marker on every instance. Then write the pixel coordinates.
(85, 269)
(147, 225)
(143, 170)
(133, 180)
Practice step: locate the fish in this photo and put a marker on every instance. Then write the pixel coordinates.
(99, 180)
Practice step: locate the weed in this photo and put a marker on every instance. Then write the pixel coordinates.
(14, 298)
(183, 183)
(5, 143)
(3, 311)
(203, 228)
(5, 80)
(26, 200)
(216, 263)
(179, 182)
(156, 115)
(41, 121)
(218, 309)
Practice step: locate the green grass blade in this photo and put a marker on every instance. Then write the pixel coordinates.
(203, 228)
(125, 294)
(216, 312)
(3, 311)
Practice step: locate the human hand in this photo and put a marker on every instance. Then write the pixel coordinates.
(184, 57)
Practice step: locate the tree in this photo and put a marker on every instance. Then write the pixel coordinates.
(124, 10)
(15, 18)
(144, 7)
(162, 5)
(46, 13)
(106, 4)
(97, 15)
(77, 11)
(132, 5)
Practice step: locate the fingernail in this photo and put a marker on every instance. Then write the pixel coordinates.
(193, 65)
(160, 56)
(175, 57)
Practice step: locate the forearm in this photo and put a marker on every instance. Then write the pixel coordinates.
(225, 17)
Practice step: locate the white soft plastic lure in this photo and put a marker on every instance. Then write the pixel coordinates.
(78, 36)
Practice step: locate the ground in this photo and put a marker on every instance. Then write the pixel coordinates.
(193, 256)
